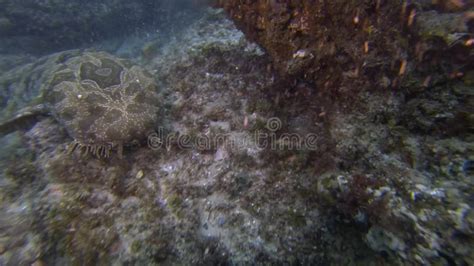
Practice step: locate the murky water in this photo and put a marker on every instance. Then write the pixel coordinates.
(236, 132)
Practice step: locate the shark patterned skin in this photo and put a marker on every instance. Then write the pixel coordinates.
(102, 101)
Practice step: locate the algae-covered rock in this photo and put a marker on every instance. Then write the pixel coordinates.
(333, 44)
(348, 46)
(433, 24)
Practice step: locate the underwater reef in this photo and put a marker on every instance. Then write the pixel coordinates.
(342, 46)
(383, 87)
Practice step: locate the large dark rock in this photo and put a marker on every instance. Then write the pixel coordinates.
(347, 45)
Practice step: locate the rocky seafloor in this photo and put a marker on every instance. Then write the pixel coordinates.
(385, 175)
